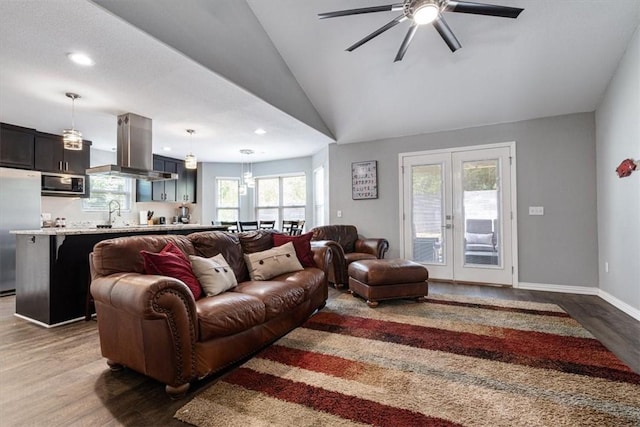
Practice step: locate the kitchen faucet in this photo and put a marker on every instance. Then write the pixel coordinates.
(113, 210)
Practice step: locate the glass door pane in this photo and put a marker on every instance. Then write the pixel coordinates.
(481, 210)
(427, 229)
(427, 214)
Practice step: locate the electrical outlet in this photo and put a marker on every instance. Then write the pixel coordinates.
(536, 210)
(339, 213)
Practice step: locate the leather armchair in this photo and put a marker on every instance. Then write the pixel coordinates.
(346, 246)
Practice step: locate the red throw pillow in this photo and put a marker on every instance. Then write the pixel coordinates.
(302, 245)
(173, 263)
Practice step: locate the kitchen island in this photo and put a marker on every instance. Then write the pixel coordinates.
(52, 268)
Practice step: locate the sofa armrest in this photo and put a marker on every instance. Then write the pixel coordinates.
(147, 296)
(322, 256)
(374, 246)
(337, 271)
(138, 312)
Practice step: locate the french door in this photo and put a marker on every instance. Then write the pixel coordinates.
(457, 213)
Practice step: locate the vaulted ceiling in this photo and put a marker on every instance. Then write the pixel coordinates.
(227, 67)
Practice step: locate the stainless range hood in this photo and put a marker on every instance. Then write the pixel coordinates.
(134, 152)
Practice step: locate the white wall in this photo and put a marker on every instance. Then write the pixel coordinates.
(555, 169)
(321, 159)
(618, 138)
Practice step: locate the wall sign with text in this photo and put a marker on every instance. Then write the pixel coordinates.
(364, 180)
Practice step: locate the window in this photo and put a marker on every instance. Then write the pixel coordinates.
(103, 189)
(282, 197)
(228, 199)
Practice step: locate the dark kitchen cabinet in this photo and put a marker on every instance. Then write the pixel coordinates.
(164, 190)
(16, 146)
(50, 155)
(159, 191)
(186, 192)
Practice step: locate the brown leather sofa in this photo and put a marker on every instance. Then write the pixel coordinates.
(153, 325)
(347, 246)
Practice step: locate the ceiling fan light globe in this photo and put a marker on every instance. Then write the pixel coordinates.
(425, 14)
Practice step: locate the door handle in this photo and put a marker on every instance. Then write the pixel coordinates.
(447, 226)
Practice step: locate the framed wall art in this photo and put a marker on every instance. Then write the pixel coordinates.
(364, 180)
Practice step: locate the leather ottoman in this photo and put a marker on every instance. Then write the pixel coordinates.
(382, 279)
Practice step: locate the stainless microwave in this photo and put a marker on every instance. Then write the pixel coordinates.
(62, 184)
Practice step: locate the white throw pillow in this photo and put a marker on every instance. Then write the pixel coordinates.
(479, 239)
(214, 274)
(272, 262)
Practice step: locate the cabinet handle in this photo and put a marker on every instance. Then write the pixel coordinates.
(60, 165)
(66, 166)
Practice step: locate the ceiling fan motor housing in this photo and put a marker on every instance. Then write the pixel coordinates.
(411, 6)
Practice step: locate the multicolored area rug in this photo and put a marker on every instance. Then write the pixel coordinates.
(448, 361)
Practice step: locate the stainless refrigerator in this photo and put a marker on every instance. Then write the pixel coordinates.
(19, 210)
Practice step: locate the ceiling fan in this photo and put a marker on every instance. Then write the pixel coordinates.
(421, 12)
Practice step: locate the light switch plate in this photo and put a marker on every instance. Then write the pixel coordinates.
(536, 210)
(339, 214)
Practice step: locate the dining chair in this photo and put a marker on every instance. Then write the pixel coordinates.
(232, 226)
(286, 226)
(297, 227)
(292, 227)
(267, 225)
(248, 225)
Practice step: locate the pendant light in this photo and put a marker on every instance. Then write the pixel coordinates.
(72, 138)
(248, 181)
(190, 162)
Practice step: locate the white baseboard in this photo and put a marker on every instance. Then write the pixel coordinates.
(621, 305)
(580, 290)
(583, 290)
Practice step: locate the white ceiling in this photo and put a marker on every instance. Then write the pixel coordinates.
(133, 73)
(224, 68)
(555, 58)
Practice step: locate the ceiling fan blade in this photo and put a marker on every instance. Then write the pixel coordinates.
(348, 12)
(405, 43)
(446, 33)
(377, 32)
(482, 9)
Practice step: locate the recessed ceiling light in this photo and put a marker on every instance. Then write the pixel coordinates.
(259, 131)
(166, 148)
(80, 59)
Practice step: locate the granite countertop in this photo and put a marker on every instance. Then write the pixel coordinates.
(65, 231)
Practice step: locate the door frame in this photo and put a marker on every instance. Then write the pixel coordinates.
(514, 201)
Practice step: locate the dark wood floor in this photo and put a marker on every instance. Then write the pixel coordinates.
(56, 377)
